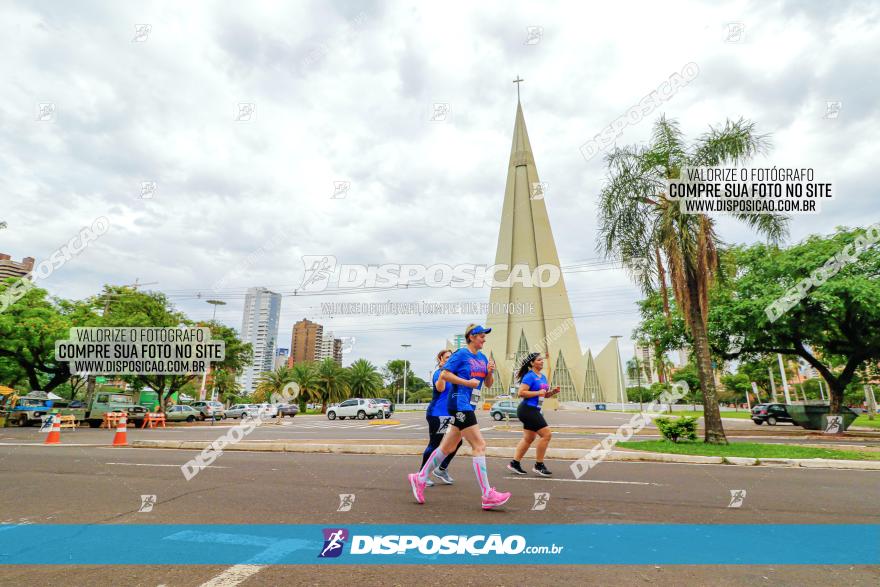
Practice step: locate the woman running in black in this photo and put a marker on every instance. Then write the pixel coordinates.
(439, 420)
(533, 389)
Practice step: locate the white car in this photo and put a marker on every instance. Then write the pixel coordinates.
(355, 408)
(266, 410)
(243, 410)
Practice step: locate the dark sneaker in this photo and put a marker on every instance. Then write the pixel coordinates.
(541, 470)
(515, 467)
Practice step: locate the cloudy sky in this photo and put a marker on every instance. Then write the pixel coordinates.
(345, 91)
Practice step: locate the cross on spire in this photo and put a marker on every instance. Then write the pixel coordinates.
(517, 81)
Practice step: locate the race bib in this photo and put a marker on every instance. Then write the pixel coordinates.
(475, 397)
(445, 421)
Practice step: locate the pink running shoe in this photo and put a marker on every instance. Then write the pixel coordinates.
(418, 487)
(494, 499)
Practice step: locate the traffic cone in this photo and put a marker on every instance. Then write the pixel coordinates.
(121, 437)
(54, 436)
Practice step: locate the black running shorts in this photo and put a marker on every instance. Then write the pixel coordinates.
(438, 424)
(463, 420)
(531, 417)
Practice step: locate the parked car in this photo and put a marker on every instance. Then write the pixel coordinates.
(503, 409)
(287, 410)
(355, 408)
(242, 410)
(388, 404)
(210, 410)
(182, 413)
(770, 413)
(266, 410)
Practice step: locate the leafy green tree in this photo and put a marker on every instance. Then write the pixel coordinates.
(127, 307)
(392, 373)
(226, 385)
(758, 370)
(833, 328)
(735, 387)
(662, 327)
(29, 328)
(306, 376)
(637, 222)
(364, 379)
(332, 383)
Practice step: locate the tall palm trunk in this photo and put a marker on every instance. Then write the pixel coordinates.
(714, 430)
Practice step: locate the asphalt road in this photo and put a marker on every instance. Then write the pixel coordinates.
(98, 485)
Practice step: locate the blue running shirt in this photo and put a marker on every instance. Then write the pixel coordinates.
(438, 406)
(466, 365)
(535, 383)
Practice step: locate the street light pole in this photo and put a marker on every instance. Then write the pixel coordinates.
(215, 303)
(405, 369)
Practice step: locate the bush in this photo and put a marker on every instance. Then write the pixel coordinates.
(672, 429)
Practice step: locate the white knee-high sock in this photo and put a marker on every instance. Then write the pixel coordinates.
(435, 459)
(482, 475)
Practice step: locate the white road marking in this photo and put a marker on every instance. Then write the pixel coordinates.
(233, 575)
(587, 481)
(161, 465)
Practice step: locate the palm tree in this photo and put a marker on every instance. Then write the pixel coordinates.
(306, 376)
(225, 384)
(332, 383)
(637, 221)
(270, 383)
(363, 379)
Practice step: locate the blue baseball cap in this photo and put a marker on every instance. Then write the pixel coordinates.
(478, 330)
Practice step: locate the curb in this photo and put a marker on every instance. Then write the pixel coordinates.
(505, 452)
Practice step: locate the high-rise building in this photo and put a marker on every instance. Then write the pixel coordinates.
(329, 348)
(648, 375)
(10, 268)
(306, 341)
(259, 327)
(526, 239)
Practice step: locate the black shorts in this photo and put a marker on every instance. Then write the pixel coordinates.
(438, 424)
(464, 420)
(531, 417)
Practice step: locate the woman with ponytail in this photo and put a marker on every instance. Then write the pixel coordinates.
(533, 389)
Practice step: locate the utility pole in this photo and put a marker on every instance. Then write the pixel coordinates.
(784, 379)
(772, 385)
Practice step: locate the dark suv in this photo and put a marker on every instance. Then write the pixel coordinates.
(770, 413)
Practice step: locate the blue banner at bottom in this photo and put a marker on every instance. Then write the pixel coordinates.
(538, 544)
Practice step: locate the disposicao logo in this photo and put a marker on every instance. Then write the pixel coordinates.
(334, 541)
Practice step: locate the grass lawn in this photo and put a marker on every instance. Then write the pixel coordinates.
(748, 449)
(742, 414)
(863, 421)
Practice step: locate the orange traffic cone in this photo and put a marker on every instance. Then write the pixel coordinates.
(54, 436)
(121, 438)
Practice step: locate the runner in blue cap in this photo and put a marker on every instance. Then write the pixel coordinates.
(466, 371)
(439, 420)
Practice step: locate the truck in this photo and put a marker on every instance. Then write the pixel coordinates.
(101, 402)
(31, 409)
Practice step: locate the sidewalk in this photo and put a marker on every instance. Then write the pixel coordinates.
(405, 447)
